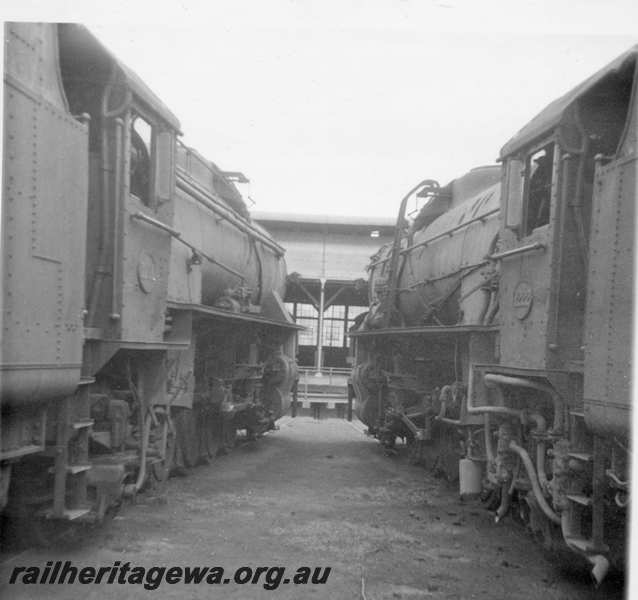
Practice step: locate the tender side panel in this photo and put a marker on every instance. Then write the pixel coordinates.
(608, 326)
(31, 59)
(44, 220)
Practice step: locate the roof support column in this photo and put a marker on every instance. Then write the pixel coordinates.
(319, 353)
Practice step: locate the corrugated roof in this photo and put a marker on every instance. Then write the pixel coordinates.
(548, 118)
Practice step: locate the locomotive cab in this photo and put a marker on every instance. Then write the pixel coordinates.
(549, 183)
(565, 257)
(131, 179)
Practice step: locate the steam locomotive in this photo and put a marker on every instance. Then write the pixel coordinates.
(498, 338)
(142, 316)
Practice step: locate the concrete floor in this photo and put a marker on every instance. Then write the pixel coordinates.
(315, 493)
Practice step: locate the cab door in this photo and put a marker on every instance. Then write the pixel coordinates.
(145, 217)
(527, 255)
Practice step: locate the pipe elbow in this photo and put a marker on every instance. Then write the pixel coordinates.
(540, 424)
(533, 478)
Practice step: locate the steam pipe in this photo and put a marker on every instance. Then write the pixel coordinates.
(141, 475)
(539, 420)
(501, 410)
(487, 302)
(489, 448)
(619, 482)
(492, 308)
(506, 498)
(99, 273)
(100, 270)
(540, 465)
(498, 410)
(493, 378)
(540, 429)
(133, 488)
(531, 474)
(119, 183)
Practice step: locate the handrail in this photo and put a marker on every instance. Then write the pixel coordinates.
(515, 251)
(438, 236)
(204, 197)
(327, 370)
(306, 374)
(481, 218)
(140, 216)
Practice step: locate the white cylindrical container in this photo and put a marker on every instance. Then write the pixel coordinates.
(470, 477)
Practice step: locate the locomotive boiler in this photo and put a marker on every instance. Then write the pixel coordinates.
(434, 274)
(143, 322)
(498, 339)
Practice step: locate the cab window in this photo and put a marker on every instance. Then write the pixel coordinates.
(514, 193)
(140, 159)
(539, 169)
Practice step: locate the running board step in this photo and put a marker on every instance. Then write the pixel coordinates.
(580, 499)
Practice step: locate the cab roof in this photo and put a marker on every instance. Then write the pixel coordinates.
(83, 42)
(551, 116)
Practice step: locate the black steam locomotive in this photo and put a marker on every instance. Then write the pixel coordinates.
(142, 314)
(498, 340)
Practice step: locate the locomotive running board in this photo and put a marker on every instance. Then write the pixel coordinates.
(211, 311)
(426, 330)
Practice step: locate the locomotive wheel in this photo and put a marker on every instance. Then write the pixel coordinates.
(187, 437)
